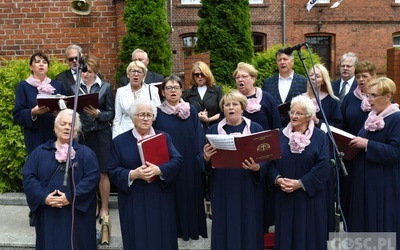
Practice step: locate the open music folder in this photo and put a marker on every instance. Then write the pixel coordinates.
(232, 150)
(52, 101)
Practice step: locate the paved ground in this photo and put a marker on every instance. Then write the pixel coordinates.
(15, 232)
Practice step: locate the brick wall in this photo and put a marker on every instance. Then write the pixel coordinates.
(28, 26)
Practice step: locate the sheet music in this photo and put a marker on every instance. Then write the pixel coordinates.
(225, 142)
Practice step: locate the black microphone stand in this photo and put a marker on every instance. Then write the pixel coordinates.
(338, 156)
(69, 167)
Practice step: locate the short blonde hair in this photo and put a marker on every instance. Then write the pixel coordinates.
(137, 64)
(234, 95)
(247, 67)
(385, 85)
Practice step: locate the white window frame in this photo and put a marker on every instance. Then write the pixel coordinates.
(323, 1)
(396, 1)
(190, 1)
(250, 1)
(397, 36)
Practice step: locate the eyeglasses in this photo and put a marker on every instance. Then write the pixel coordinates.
(244, 77)
(372, 96)
(296, 114)
(198, 74)
(136, 72)
(141, 116)
(71, 59)
(346, 66)
(170, 88)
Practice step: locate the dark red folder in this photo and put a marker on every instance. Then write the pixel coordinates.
(154, 149)
(51, 101)
(342, 139)
(261, 146)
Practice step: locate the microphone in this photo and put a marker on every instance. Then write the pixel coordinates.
(289, 50)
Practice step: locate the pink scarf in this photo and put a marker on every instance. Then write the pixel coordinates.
(253, 104)
(297, 141)
(42, 87)
(182, 110)
(246, 130)
(139, 137)
(375, 122)
(322, 95)
(62, 152)
(365, 106)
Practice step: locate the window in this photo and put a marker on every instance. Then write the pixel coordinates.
(397, 1)
(396, 40)
(188, 44)
(323, 1)
(190, 1)
(258, 42)
(250, 1)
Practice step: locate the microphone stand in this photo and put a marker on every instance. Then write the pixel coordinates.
(338, 156)
(69, 167)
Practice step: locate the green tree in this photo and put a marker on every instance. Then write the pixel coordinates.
(146, 28)
(225, 30)
(265, 62)
(12, 146)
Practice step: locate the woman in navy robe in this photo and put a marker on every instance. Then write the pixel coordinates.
(51, 201)
(236, 193)
(375, 190)
(180, 120)
(262, 109)
(300, 178)
(37, 122)
(146, 208)
(355, 109)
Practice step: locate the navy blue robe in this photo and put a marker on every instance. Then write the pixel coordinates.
(301, 216)
(237, 204)
(375, 196)
(53, 226)
(332, 112)
(41, 130)
(146, 210)
(188, 138)
(353, 120)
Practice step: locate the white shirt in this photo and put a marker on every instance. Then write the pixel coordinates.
(348, 86)
(284, 86)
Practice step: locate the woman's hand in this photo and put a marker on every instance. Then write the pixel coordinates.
(358, 142)
(57, 199)
(39, 110)
(203, 116)
(90, 110)
(288, 185)
(251, 165)
(208, 151)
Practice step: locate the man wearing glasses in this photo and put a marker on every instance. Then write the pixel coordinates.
(68, 77)
(151, 77)
(347, 81)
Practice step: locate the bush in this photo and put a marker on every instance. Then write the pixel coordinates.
(12, 147)
(265, 63)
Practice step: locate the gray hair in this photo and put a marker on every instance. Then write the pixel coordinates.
(306, 103)
(140, 50)
(351, 55)
(142, 102)
(73, 46)
(69, 112)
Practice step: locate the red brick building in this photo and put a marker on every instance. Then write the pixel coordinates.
(366, 27)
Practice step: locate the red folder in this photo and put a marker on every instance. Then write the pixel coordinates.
(158, 86)
(284, 108)
(51, 101)
(342, 139)
(154, 149)
(261, 146)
